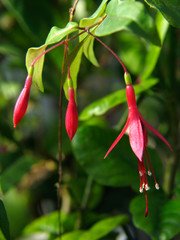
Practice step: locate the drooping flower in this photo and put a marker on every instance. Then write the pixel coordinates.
(71, 119)
(22, 101)
(138, 138)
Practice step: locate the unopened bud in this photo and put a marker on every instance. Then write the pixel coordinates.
(71, 119)
(22, 102)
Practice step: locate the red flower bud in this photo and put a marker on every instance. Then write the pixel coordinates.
(71, 119)
(22, 102)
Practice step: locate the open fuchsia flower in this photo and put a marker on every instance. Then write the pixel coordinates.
(22, 101)
(71, 119)
(138, 138)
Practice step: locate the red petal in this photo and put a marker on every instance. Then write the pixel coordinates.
(136, 136)
(155, 132)
(118, 138)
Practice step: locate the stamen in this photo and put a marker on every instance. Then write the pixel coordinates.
(157, 186)
(140, 177)
(146, 212)
(149, 172)
(146, 153)
(141, 189)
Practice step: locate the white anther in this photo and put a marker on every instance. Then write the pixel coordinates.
(157, 186)
(147, 187)
(149, 173)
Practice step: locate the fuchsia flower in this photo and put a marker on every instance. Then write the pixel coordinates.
(138, 140)
(22, 102)
(71, 119)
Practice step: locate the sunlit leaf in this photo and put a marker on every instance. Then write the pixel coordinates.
(88, 47)
(98, 230)
(103, 227)
(31, 55)
(75, 62)
(128, 15)
(104, 104)
(169, 8)
(49, 223)
(56, 35)
(154, 51)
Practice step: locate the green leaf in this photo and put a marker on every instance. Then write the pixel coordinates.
(170, 9)
(55, 35)
(152, 223)
(89, 42)
(75, 235)
(14, 173)
(98, 230)
(133, 53)
(31, 55)
(49, 223)
(163, 220)
(74, 61)
(103, 105)
(170, 219)
(93, 18)
(88, 49)
(4, 223)
(90, 145)
(154, 51)
(103, 227)
(128, 15)
(120, 168)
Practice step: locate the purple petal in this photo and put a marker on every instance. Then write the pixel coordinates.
(136, 136)
(118, 138)
(155, 132)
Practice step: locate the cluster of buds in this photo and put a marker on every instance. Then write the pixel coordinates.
(138, 138)
(71, 119)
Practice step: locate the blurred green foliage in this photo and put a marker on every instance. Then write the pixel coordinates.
(99, 197)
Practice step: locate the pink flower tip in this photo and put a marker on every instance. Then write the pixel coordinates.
(71, 119)
(22, 102)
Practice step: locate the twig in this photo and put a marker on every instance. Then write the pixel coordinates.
(71, 14)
